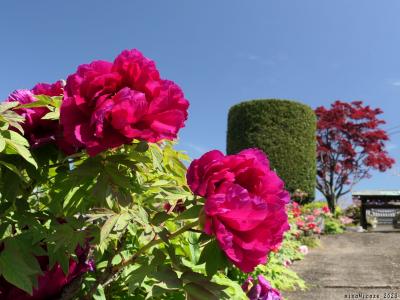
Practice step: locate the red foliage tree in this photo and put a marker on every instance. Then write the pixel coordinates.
(349, 145)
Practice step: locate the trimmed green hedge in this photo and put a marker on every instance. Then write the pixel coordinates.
(285, 131)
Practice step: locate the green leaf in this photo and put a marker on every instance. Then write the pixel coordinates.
(17, 265)
(24, 152)
(19, 144)
(15, 137)
(42, 100)
(89, 168)
(14, 169)
(196, 291)
(108, 227)
(117, 178)
(53, 115)
(99, 295)
(142, 147)
(137, 276)
(160, 217)
(191, 213)
(7, 105)
(58, 255)
(213, 257)
(2, 144)
(168, 276)
(233, 290)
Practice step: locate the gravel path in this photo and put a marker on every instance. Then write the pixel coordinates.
(352, 266)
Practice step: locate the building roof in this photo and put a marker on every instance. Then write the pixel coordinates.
(377, 193)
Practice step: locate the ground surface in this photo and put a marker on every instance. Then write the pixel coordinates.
(352, 266)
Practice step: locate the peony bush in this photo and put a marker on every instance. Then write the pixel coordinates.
(97, 204)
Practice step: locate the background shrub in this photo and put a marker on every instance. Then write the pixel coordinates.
(333, 226)
(285, 131)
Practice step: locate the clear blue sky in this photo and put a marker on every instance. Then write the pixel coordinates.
(220, 52)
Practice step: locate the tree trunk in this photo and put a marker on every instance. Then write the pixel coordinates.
(331, 199)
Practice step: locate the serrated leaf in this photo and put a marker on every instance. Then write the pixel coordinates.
(58, 256)
(191, 213)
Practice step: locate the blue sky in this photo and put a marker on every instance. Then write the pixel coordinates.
(220, 52)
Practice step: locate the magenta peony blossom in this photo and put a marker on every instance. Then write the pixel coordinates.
(260, 291)
(245, 204)
(36, 130)
(53, 89)
(110, 104)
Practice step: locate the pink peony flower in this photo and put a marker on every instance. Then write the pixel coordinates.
(109, 104)
(276, 248)
(36, 130)
(310, 218)
(303, 249)
(317, 230)
(245, 204)
(297, 234)
(300, 223)
(311, 225)
(287, 263)
(260, 291)
(317, 212)
(325, 209)
(54, 89)
(345, 220)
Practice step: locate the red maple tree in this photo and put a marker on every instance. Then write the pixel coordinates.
(349, 145)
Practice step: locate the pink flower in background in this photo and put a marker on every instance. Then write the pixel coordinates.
(317, 230)
(262, 290)
(245, 204)
(300, 223)
(325, 209)
(303, 249)
(37, 130)
(276, 248)
(109, 104)
(294, 207)
(311, 225)
(317, 212)
(287, 263)
(310, 218)
(346, 220)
